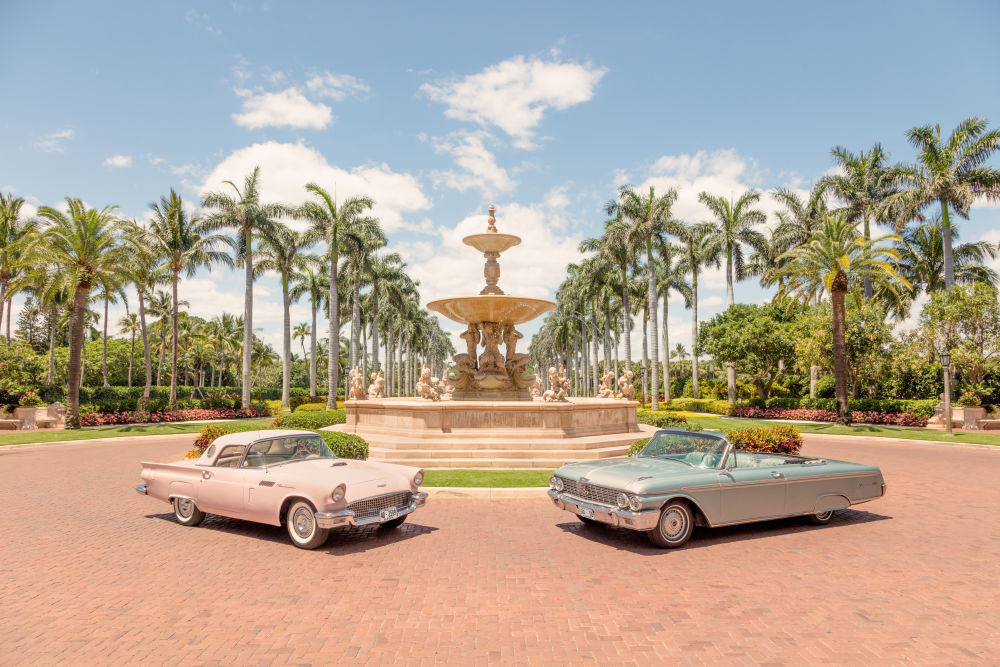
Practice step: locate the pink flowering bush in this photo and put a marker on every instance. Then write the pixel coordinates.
(783, 439)
(113, 418)
(859, 416)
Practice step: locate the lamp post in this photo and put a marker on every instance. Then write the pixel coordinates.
(945, 365)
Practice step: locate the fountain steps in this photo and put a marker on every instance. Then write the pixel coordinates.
(380, 454)
(482, 463)
(520, 443)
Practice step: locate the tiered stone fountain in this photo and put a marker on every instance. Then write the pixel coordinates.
(491, 419)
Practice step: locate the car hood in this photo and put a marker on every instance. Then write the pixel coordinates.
(629, 473)
(332, 472)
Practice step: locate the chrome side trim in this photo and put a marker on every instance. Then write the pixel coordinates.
(141, 489)
(346, 517)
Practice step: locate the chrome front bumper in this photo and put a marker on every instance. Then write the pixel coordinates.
(141, 489)
(347, 518)
(642, 520)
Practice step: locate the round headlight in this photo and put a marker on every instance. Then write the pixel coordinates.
(633, 503)
(418, 479)
(557, 484)
(622, 500)
(552, 481)
(338, 494)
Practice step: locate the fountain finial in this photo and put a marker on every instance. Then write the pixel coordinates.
(491, 224)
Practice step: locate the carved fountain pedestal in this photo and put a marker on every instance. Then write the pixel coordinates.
(491, 420)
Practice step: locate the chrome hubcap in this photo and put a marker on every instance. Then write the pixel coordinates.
(823, 516)
(184, 507)
(303, 522)
(673, 523)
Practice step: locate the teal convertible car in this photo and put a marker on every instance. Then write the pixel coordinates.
(682, 479)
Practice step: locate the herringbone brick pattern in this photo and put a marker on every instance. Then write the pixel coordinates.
(91, 573)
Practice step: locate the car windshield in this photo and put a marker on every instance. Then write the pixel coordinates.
(287, 449)
(695, 449)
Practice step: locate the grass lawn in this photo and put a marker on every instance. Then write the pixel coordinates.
(728, 424)
(23, 438)
(487, 478)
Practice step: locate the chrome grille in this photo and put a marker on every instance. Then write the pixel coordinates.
(585, 491)
(370, 507)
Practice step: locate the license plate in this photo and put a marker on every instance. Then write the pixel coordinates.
(388, 514)
(586, 512)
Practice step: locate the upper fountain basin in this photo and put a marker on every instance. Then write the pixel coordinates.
(503, 308)
(492, 241)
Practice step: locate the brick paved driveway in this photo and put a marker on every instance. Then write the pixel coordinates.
(90, 572)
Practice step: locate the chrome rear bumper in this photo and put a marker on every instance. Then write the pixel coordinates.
(347, 518)
(642, 520)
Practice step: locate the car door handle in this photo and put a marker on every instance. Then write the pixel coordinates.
(775, 474)
(206, 474)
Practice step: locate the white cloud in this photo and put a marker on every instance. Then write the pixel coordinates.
(514, 94)
(201, 20)
(286, 168)
(479, 168)
(52, 143)
(118, 161)
(532, 269)
(337, 87)
(287, 108)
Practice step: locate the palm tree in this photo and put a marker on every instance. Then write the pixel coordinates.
(245, 213)
(681, 352)
(15, 232)
(111, 289)
(82, 247)
(311, 279)
(359, 244)
(300, 332)
(144, 269)
(281, 251)
(837, 259)
(130, 325)
(223, 333)
(329, 222)
(700, 251)
(612, 247)
(953, 174)
(186, 244)
(867, 184)
(161, 308)
(670, 275)
(387, 273)
(734, 225)
(921, 258)
(649, 218)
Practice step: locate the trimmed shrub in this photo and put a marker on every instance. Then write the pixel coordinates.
(806, 414)
(346, 445)
(661, 420)
(311, 419)
(700, 405)
(637, 446)
(311, 407)
(771, 440)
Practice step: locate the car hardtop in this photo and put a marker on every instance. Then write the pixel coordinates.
(246, 438)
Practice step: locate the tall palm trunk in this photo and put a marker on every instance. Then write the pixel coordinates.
(626, 321)
(666, 348)
(949, 265)
(247, 321)
(375, 365)
(286, 343)
(730, 300)
(104, 345)
(10, 304)
(654, 352)
(50, 378)
(838, 290)
(312, 351)
(144, 401)
(594, 375)
(694, 334)
(74, 370)
(607, 337)
(355, 325)
(867, 282)
(131, 360)
(3, 297)
(390, 364)
(645, 356)
(333, 358)
(174, 317)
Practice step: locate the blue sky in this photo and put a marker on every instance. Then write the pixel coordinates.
(439, 109)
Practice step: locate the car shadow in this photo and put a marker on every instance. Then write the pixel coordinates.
(703, 537)
(346, 540)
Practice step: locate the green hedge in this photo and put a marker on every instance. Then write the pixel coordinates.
(346, 445)
(923, 407)
(311, 419)
(708, 405)
(637, 446)
(661, 419)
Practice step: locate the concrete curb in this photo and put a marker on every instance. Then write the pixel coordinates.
(484, 493)
(95, 441)
(899, 441)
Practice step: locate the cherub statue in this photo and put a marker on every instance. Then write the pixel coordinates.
(377, 388)
(626, 389)
(444, 390)
(465, 370)
(538, 387)
(357, 385)
(471, 338)
(606, 389)
(425, 386)
(558, 385)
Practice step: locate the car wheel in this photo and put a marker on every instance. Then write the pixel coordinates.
(302, 528)
(821, 518)
(187, 512)
(674, 526)
(395, 523)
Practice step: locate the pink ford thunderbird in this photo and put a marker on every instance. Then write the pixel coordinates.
(285, 477)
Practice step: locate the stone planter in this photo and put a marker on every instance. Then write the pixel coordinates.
(971, 417)
(27, 417)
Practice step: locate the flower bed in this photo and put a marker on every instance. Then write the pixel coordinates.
(774, 440)
(859, 416)
(113, 418)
